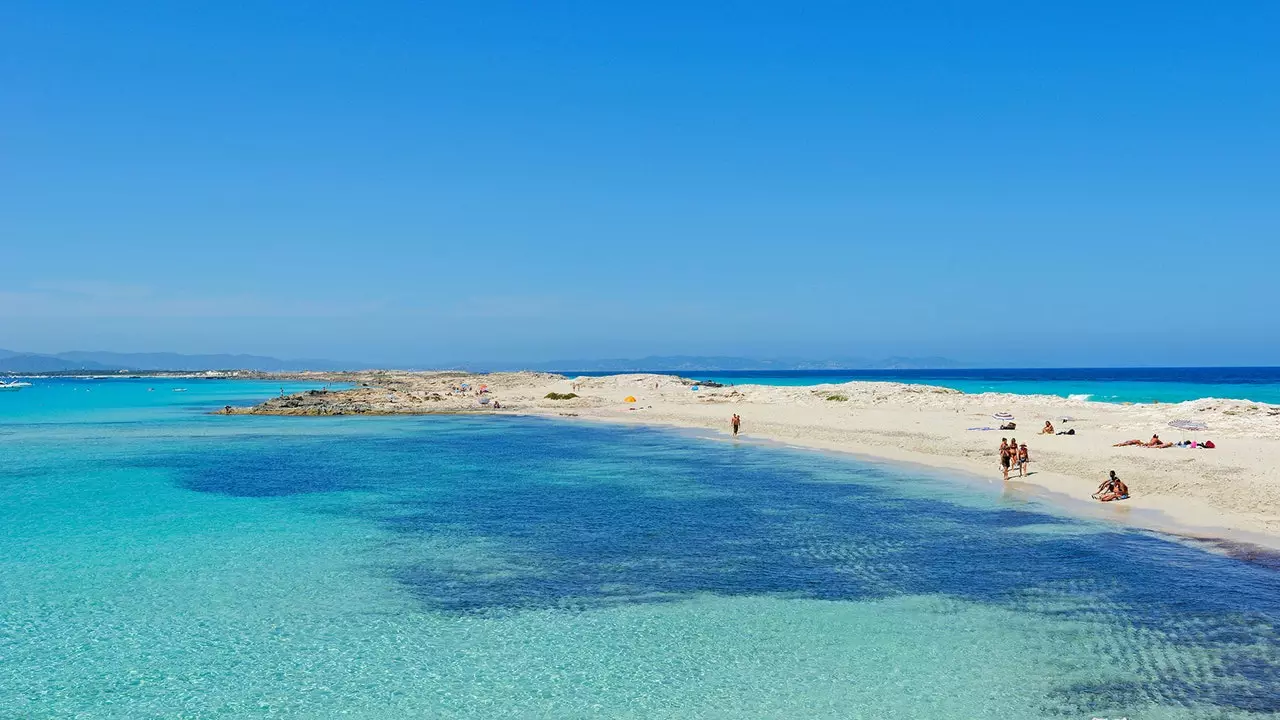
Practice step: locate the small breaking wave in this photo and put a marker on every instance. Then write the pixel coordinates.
(1080, 396)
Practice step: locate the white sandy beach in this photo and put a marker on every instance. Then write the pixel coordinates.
(1230, 491)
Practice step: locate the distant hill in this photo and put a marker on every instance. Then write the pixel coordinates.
(90, 361)
(31, 363)
(693, 363)
(19, 362)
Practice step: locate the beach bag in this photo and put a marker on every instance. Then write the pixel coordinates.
(1209, 444)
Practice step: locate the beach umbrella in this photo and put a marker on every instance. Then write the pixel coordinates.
(1003, 416)
(1190, 425)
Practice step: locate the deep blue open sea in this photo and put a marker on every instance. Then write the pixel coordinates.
(158, 561)
(1139, 385)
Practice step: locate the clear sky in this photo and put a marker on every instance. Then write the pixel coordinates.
(1075, 183)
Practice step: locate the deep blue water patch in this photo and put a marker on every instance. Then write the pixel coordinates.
(575, 516)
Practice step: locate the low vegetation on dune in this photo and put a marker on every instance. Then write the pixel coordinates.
(561, 396)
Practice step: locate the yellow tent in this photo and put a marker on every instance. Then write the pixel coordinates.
(629, 398)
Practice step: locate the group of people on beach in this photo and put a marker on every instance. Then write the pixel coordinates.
(1156, 442)
(1014, 454)
(1011, 453)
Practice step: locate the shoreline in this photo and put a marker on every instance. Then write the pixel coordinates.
(1150, 519)
(1228, 493)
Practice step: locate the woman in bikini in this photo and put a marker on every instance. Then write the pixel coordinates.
(1048, 428)
(1006, 458)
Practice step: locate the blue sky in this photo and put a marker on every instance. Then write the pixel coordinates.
(1001, 183)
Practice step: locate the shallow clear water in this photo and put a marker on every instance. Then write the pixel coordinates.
(1139, 385)
(158, 561)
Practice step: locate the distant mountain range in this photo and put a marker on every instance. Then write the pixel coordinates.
(95, 362)
(21, 362)
(693, 363)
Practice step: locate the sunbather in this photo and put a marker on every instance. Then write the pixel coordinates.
(1153, 442)
(1048, 428)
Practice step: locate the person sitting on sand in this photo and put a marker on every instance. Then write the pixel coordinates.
(1024, 457)
(1105, 487)
(1115, 489)
(1048, 428)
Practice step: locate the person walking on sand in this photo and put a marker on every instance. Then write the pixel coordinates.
(1024, 457)
(736, 423)
(1006, 458)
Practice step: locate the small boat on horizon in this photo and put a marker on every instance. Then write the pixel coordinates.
(14, 385)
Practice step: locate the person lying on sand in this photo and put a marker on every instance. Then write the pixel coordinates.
(1048, 428)
(1153, 442)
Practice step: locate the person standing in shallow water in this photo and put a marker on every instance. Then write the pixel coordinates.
(735, 423)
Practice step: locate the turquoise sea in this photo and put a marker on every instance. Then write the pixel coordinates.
(158, 561)
(1119, 385)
